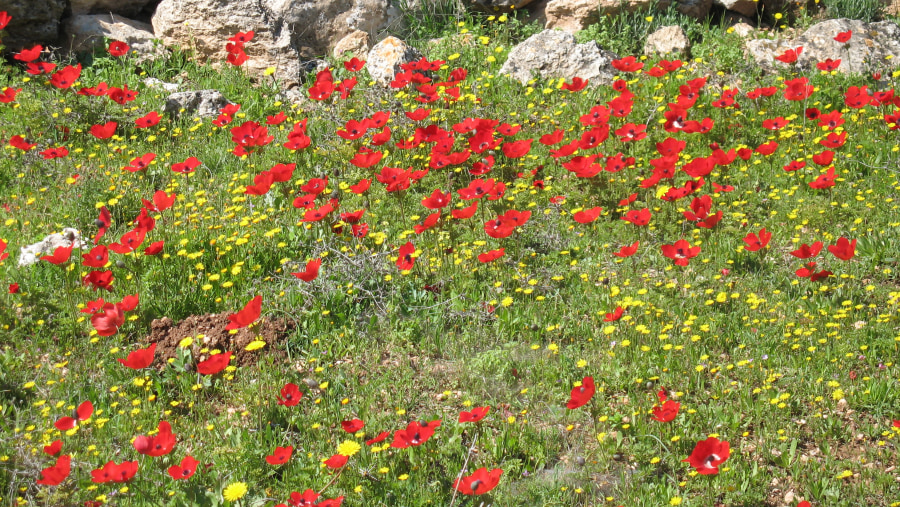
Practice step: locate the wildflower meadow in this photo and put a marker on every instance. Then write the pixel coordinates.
(680, 287)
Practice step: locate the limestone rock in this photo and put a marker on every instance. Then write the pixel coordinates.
(571, 15)
(744, 30)
(128, 8)
(201, 103)
(89, 32)
(284, 30)
(552, 53)
(33, 22)
(385, 58)
(152, 82)
(356, 43)
(742, 7)
(32, 254)
(872, 46)
(668, 40)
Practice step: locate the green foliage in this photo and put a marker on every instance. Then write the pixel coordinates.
(863, 10)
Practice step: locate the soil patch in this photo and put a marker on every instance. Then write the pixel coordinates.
(208, 332)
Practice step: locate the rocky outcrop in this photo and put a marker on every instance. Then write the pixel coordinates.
(33, 21)
(284, 31)
(571, 15)
(356, 43)
(553, 53)
(203, 103)
(386, 57)
(668, 40)
(872, 46)
(127, 8)
(89, 32)
(743, 7)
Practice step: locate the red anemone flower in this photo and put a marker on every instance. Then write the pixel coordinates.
(708, 455)
(82, 413)
(491, 255)
(577, 84)
(109, 321)
(844, 249)
(667, 409)
(214, 364)
(843, 37)
(405, 259)
(118, 48)
(290, 395)
(311, 272)
(381, 437)
(638, 217)
(336, 461)
(681, 252)
(628, 64)
(808, 251)
(112, 472)
(54, 448)
(353, 425)
(479, 483)
(185, 470)
(790, 55)
(60, 256)
(139, 359)
(627, 250)
(582, 393)
(29, 55)
(188, 166)
(148, 120)
(614, 315)
(56, 474)
(415, 434)
(354, 64)
(280, 456)
(475, 415)
(158, 445)
(757, 242)
(587, 216)
(247, 315)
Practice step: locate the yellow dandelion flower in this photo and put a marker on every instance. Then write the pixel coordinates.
(235, 491)
(348, 448)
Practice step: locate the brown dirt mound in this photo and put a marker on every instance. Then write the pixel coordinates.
(168, 334)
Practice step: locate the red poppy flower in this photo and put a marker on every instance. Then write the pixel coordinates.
(140, 358)
(104, 131)
(118, 48)
(757, 242)
(614, 315)
(148, 120)
(54, 448)
(158, 445)
(99, 280)
(828, 65)
(82, 413)
(479, 483)
(437, 199)
(797, 89)
(54, 475)
(587, 216)
(247, 315)
(353, 425)
(185, 470)
(60, 256)
(628, 64)
(381, 437)
(581, 394)
(491, 256)
(129, 241)
(577, 84)
(336, 461)
(140, 163)
(277, 119)
(844, 249)
(843, 37)
(474, 415)
(824, 181)
(809, 271)
(790, 55)
(281, 455)
(38, 68)
(188, 166)
(415, 434)
(681, 252)
(237, 57)
(242, 38)
(109, 321)
(5, 18)
(517, 149)
(112, 472)
(154, 248)
(638, 217)
(29, 55)
(667, 410)
(9, 94)
(354, 64)
(311, 272)
(290, 395)
(627, 250)
(214, 364)
(857, 97)
(13, 288)
(708, 455)
(20, 143)
(807, 251)
(405, 260)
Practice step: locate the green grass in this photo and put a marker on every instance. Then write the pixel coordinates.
(800, 377)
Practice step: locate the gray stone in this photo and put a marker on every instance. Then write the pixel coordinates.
(571, 15)
(668, 40)
(127, 8)
(90, 32)
(203, 103)
(552, 53)
(873, 46)
(33, 22)
(385, 58)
